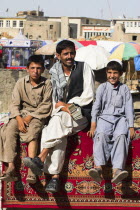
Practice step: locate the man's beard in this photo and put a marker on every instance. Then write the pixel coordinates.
(70, 65)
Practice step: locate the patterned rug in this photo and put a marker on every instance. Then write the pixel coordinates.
(78, 190)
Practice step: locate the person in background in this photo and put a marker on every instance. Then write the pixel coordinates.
(112, 124)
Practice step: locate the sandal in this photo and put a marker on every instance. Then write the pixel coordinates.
(95, 173)
(119, 175)
(9, 176)
(31, 178)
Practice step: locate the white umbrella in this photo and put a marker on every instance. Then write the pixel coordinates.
(95, 56)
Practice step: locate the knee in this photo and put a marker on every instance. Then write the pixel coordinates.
(100, 136)
(12, 125)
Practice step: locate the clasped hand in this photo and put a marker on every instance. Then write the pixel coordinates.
(23, 123)
(65, 106)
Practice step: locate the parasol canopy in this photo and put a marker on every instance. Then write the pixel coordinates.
(108, 44)
(88, 42)
(50, 49)
(95, 56)
(125, 51)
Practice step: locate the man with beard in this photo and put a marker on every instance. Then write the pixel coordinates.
(73, 87)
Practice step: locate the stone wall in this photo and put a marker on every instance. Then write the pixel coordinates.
(8, 78)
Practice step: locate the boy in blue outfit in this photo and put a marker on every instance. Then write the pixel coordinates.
(112, 124)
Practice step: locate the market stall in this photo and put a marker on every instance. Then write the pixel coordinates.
(17, 51)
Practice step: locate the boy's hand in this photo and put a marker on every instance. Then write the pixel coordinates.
(21, 124)
(27, 120)
(91, 132)
(132, 133)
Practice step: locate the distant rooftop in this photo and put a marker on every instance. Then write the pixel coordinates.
(81, 18)
(31, 13)
(127, 18)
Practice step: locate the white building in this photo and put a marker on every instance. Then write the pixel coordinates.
(130, 28)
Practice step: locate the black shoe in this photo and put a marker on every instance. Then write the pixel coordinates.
(53, 186)
(35, 164)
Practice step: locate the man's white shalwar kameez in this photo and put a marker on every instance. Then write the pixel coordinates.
(61, 125)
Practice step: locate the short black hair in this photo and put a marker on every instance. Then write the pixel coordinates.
(36, 59)
(63, 45)
(114, 65)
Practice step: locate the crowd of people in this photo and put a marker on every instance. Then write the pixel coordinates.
(44, 112)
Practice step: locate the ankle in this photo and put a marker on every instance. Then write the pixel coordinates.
(115, 169)
(100, 167)
(41, 158)
(56, 176)
(11, 166)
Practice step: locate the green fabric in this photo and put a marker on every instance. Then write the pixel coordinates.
(129, 52)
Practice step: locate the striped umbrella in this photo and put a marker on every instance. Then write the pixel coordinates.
(125, 51)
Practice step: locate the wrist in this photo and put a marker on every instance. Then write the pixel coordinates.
(18, 117)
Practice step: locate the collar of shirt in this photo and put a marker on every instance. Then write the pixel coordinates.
(72, 69)
(114, 87)
(27, 79)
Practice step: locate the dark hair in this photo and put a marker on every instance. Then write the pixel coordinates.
(63, 45)
(114, 65)
(36, 59)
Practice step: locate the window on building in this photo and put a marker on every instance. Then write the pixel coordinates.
(1, 23)
(127, 24)
(138, 24)
(134, 38)
(7, 23)
(14, 23)
(51, 26)
(135, 24)
(20, 23)
(90, 34)
(131, 24)
(87, 21)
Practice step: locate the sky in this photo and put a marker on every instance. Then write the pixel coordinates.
(102, 9)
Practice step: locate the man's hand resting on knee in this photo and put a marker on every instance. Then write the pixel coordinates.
(64, 108)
